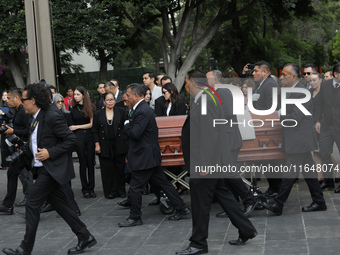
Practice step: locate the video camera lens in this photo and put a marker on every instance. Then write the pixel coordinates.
(12, 139)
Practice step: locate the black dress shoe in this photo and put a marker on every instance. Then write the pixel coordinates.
(250, 208)
(82, 245)
(337, 190)
(192, 251)
(242, 240)
(313, 207)
(122, 196)
(111, 196)
(273, 207)
(327, 183)
(18, 251)
(222, 215)
(156, 201)
(179, 215)
(130, 223)
(6, 210)
(21, 203)
(86, 195)
(270, 194)
(125, 203)
(47, 207)
(93, 194)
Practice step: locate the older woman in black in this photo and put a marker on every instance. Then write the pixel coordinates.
(111, 146)
(173, 104)
(82, 116)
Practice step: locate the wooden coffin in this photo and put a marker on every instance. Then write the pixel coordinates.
(169, 138)
(268, 142)
(266, 145)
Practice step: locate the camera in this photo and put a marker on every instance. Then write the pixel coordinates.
(12, 140)
(251, 66)
(16, 155)
(3, 127)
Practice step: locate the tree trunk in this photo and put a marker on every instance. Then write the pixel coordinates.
(103, 65)
(15, 70)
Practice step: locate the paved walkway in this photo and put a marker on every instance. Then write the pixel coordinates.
(292, 233)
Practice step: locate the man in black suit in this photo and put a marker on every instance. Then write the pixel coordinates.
(17, 168)
(263, 100)
(119, 93)
(144, 158)
(233, 180)
(298, 139)
(100, 100)
(327, 117)
(50, 143)
(208, 146)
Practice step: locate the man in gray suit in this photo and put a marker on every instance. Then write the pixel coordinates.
(299, 139)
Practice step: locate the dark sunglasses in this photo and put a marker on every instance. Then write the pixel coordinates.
(24, 99)
(164, 92)
(307, 73)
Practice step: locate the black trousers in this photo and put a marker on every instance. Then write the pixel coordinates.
(202, 192)
(45, 187)
(112, 172)
(85, 151)
(309, 176)
(236, 185)
(14, 171)
(4, 151)
(327, 139)
(140, 178)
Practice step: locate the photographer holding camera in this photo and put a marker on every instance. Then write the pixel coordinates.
(17, 133)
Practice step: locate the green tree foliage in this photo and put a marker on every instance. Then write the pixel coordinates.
(13, 38)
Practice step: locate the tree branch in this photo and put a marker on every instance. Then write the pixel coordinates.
(141, 28)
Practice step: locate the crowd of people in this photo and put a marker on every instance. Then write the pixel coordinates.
(120, 127)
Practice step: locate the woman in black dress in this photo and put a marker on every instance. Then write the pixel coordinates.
(111, 146)
(173, 104)
(82, 116)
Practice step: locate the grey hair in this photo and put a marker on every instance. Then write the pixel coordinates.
(55, 100)
(218, 74)
(136, 88)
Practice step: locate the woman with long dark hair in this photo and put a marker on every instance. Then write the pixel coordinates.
(173, 104)
(111, 146)
(82, 116)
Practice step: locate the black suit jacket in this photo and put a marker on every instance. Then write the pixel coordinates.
(233, 132)
(100, 131)
(302, 137)
(266, 94)
(205, 144)
(144, 151)
(54, 135)
(328, 105)
(119, 97)
(159, 106)
(100, 102)
(178, 109)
